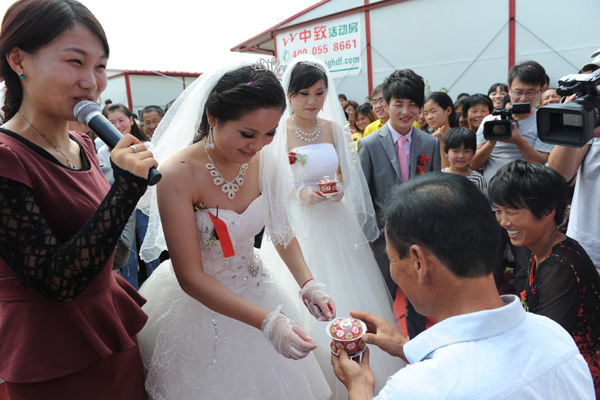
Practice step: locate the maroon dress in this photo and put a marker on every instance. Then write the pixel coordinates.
(67, 322)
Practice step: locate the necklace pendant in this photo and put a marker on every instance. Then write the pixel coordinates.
(229, 188)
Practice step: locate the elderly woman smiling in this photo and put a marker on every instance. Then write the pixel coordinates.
(530, 201)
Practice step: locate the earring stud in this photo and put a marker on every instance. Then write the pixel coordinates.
(22, 75)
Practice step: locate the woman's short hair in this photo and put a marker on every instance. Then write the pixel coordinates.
(239, 93)
(32, 24)
(475, 99)
(529, 185)
(304, 76)
(457, 137)
(350, 103)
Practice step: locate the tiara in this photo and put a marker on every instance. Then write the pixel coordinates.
(271, 65)
(314, 64)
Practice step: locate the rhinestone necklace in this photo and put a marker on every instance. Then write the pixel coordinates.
(69, 162)
(228, 187)
(307, 136)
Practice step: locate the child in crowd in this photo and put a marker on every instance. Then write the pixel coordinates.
(460, 147)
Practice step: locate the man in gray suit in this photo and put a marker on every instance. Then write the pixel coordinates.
(394, 154)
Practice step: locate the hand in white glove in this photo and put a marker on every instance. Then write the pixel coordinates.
(286, 336)
(319, 303)
(340, 193)
(309, 197)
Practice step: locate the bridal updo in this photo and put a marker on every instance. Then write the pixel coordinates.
(239, 93)
(304, 76)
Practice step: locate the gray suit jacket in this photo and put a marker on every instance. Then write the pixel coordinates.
(379, 162)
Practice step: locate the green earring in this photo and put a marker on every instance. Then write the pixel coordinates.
(22, 75)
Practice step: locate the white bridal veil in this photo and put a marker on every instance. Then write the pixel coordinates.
(356, 191)
(177, 131)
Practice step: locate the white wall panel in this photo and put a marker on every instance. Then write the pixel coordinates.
(443, 41)
(559, 35)
(328, 8)
(154, 90)
(115, 91)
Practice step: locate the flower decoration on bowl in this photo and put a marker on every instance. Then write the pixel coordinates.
(346, 333)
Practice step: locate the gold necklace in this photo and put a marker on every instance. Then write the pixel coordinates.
(69, 162)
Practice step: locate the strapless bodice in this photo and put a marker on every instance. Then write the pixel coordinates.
(244, 270)
(321, 160)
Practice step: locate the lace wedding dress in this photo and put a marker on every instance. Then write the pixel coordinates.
(191, 352)
(335, 258)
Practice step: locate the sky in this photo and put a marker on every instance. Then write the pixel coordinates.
(183, 35)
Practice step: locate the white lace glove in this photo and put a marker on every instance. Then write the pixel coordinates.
(286, 336)
(319, 303)
(340, 193)
(309, 197)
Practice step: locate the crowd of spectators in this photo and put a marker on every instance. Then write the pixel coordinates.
(545, 239)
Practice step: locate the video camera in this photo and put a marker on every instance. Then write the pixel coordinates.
(572, 124)
(501, 129)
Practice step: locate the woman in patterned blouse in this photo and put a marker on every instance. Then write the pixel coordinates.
(530, 202)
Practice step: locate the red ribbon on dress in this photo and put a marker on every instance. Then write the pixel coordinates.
(223, 236)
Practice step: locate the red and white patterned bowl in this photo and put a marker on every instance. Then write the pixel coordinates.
(327, 185)
(346, 333)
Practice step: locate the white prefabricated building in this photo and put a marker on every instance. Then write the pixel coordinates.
(138, 89)
(459, 45)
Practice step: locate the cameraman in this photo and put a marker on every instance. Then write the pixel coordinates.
(583, 163)
(525, 81)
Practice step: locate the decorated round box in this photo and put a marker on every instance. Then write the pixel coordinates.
(346, 333)
(327, 185)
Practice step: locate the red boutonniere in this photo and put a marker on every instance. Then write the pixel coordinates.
(422, 162)
(300, 158)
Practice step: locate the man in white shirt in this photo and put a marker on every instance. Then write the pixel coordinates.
(484, 346)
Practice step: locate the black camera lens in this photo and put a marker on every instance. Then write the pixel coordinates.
(499, 130)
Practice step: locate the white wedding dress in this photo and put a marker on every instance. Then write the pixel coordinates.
(183, 337)
(349, 270)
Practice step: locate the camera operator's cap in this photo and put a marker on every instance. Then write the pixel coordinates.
(595, 64)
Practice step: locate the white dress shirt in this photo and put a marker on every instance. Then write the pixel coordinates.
(503, 353)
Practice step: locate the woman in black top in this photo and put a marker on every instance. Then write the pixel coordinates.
(563, 284)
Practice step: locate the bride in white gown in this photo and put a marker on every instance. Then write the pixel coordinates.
(336, 230)
(217, 318)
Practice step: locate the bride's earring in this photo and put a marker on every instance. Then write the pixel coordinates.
(210, 141)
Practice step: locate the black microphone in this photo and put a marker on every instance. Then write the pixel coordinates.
(90, 114)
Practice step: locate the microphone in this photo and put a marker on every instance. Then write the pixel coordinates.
(90, 114)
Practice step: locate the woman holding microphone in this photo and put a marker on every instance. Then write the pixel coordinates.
(68, 323)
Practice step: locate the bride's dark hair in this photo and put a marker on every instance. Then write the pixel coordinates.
(305, 76)
(241, 92)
